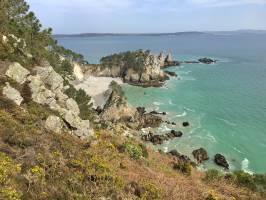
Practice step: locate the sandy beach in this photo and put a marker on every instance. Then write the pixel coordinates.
(96, 87)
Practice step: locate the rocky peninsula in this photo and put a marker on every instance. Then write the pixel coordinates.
(54, 144)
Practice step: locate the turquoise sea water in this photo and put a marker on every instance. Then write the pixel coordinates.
(225, 102)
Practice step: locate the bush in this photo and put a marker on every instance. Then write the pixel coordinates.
(136, 151)
(83, 101)
(244, 179)
(183, 167)
(212, 175)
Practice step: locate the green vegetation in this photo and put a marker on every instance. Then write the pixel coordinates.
(83, 101)
(23, 39)
(212, 174)
(134, 60)
(254, 182)
(136, 151)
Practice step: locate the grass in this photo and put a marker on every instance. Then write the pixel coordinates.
(36, 164)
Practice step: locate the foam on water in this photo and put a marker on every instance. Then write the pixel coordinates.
(245, 166)
(183, 114)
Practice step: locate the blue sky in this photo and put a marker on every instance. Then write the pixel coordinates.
(146, 16)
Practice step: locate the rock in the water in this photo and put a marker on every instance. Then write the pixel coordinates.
(174, 134)
(185, 124)
(171, 73)
(54, 123)
(207, 60)
(174, 153)
(200, 155)
(220, 160)
(17, 73)
(12, 94)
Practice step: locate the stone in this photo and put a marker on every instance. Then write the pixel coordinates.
(50, 77)
(169, 58)
(17, 73)
(207, 60)
(80, 128)
(72, 105)
(40, 94)
(144, 78)
(77, 71)
(174, 134)
(185, 124)
(12, 94)
(220, 160)
(200, 155)
(54, 124)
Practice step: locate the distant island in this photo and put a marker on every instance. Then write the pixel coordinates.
(183, 33)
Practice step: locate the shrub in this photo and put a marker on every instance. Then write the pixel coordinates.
(136, 151)
(83, 101)
(244, 179)
(212, 196)
(152, 192)
(183, 167)
(212, 175)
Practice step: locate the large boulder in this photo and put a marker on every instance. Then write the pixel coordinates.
(80, 128)
(40, 94)
(220, 160)
(72, 105)
(200, 155)
(12, 94)
(17, 73)
(50, 77)
(54, 124)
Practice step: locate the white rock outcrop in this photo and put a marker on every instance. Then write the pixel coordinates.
(17, 73)
(78, 72)
(54, 124)
(12, 94)
(47, 88)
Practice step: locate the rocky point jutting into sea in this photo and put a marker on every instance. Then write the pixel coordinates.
(68, 132)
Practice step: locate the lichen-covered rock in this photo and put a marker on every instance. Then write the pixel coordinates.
(81, 128)
(12, 94)
(40, 94)
(54, 124)
(50, 77)
(72, 105)
(17, 73)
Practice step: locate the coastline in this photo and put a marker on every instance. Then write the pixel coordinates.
(96, 87)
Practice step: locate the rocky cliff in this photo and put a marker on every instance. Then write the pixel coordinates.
(141, 68)
(47, 89)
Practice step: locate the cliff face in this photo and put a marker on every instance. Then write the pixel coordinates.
(46, 87)
(137, 68)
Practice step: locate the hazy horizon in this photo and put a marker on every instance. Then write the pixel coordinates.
(149, 16)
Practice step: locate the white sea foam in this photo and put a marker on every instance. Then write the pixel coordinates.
(189, 109)
(165, 149)
(211, 137)
(171, 102)
(245, 165)
(183, 114)
(164, 128)
(157, 103)
(227, 122)
(236, 149)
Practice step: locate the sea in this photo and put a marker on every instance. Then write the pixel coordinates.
(225, 102)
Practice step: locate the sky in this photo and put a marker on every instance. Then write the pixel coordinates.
(149, 16)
